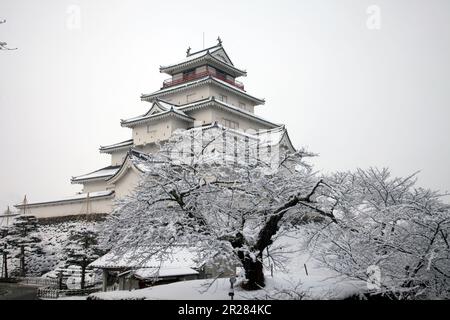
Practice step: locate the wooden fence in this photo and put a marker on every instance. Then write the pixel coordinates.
(48, 282)
(53, 293)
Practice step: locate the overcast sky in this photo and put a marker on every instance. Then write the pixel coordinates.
(356, 94)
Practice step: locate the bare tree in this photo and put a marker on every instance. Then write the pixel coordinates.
(387, 224)
(200, 195)
(4, 45)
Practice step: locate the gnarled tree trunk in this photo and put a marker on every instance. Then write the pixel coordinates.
(254, 274)
(22, 261)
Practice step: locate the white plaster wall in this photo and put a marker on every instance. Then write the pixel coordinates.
(117, 157)
(194, 94)
(159, 130)
(244, 124)
(176, 123)
(203, 115)
(232, 98)
(72, 208)
(210, 114)
(93, 186)
(148, 148)
(127, 183)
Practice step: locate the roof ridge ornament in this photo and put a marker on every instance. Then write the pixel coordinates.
(219, 41)
(188, 51)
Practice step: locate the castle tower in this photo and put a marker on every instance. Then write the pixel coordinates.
(202, 89)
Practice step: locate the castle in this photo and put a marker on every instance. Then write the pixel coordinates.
(202, 91)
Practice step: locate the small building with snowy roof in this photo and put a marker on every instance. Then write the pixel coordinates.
(141, 267)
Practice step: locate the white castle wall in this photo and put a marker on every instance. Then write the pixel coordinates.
(220, 115)
(188, 96)
(117, 157)
(70, 208)
(232, 98)
(157, 131)
(93, 186)
(127, 183)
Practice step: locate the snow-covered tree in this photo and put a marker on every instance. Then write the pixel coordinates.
(389, 232)
(23, 240)
(227, 205)
(82, 249)
(4, 251)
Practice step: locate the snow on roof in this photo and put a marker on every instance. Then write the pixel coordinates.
(133, 155)
(80, 196)
(230, 106)
(148, 257)
(198, 81)
(271, 137)
(207, 53)
(148, 273)
(125, 143)
(185, 84)
(164, 104)
(191, 57)
(101, 173)
(264, 137)
(147, 116)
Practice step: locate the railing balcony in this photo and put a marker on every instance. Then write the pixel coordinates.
(193, 76)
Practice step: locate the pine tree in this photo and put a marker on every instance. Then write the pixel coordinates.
(82, 249)
(23, 239)
(4, 251)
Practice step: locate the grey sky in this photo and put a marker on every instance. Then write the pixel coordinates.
(356, 96)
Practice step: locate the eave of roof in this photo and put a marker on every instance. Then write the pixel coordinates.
(146, 118)
(85, 177)
(214, 102)
(213, 48)
(207, 57)
(117, 146)
(207, 79)
(148, 257)
(77, 198)
(126, 164)
(207, 53)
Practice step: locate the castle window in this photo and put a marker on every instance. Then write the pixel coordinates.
(152, 133)
(223, 98)
(230, 124)
(242, 105)
(190, 97)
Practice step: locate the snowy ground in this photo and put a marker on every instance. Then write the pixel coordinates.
(291, 283)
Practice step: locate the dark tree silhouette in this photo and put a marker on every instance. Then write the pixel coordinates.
(23, 239)
(82, 249)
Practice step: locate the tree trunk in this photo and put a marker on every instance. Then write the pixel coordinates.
(253, 272)
(22, 261)
(5, 264)
(83, 274)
